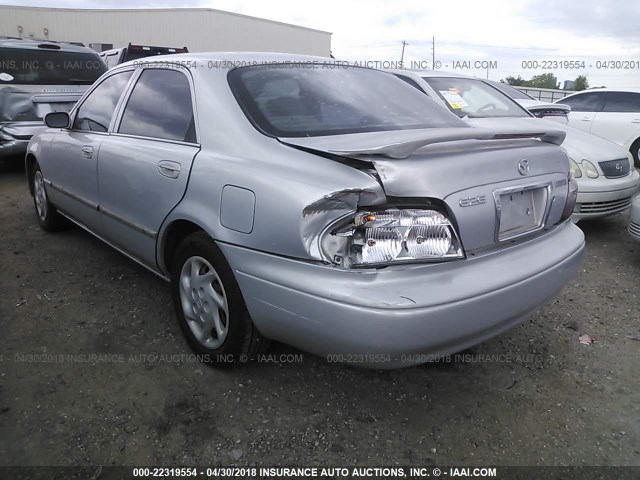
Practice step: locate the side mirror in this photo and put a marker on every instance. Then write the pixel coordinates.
(57, 119)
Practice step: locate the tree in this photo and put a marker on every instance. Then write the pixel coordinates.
(518, 82)
(544, 80)
(581, 83)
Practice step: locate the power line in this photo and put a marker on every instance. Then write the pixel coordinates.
(402, 56)
(433, 52)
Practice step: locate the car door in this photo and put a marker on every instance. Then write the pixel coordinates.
(144, 165)
(583, 109)
(619, 120)
(72, 164)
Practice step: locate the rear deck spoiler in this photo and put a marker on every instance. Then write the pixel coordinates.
(402, 143)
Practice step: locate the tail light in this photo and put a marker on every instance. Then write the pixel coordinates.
(400, 235)
(572, 195)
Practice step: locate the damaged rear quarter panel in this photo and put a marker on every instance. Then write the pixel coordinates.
(297, 196)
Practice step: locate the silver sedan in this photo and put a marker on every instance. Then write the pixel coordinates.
(330, 207)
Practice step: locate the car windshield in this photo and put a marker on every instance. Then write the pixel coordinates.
(468, 97)
(300, 100)
(511, 91)
(25, 66)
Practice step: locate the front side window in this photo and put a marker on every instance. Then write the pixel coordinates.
(585, 102)
(299, 101)
(471, 98)
(621, 102)
(95, 113)
(160, 107)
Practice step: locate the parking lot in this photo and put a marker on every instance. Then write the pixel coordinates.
(94, 370)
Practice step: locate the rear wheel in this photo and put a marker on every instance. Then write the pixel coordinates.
(48, 217)
(209, 305)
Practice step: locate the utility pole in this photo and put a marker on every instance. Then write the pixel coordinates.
(402, 56)
(433, 53)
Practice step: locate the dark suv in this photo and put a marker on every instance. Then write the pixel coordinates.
(38, 77)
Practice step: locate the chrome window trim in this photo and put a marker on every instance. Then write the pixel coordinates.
(515, 189)
(155, 139)
(83, 99)
(125, 94)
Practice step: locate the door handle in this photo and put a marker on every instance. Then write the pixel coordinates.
(168, 168)
(635, 120)
(586, 119)
(87, 151)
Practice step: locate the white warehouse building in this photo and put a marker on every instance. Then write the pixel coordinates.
(199, 29)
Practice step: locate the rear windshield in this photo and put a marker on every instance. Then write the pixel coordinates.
(49, 67)
(302, 100)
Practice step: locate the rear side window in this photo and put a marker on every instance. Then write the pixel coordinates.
(621, 102)
(160, 107)
(96, 111)
(27, 66)
(586, 102)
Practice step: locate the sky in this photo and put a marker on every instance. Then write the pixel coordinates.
(517, 37)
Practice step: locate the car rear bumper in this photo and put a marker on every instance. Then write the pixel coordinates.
(393, 317)
(15, 136)
(10, 146)
(605, 196)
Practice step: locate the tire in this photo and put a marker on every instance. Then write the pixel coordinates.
(48, 217)
(209, 305)
(635, 151)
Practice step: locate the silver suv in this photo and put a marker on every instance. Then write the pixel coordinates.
(38, 77)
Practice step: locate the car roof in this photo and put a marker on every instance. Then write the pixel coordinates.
(239, 58)
(33, 44)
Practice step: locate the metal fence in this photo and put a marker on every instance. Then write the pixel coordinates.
(545, 94)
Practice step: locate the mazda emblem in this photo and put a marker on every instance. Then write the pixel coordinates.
(523, 167)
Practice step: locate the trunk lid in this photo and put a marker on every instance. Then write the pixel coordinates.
(23, 107)
(32, 102)
(488, 179)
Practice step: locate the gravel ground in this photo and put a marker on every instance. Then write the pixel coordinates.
(533, 396)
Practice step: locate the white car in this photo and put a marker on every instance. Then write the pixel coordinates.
(610, 113)
(606, 178)
(557, 112)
